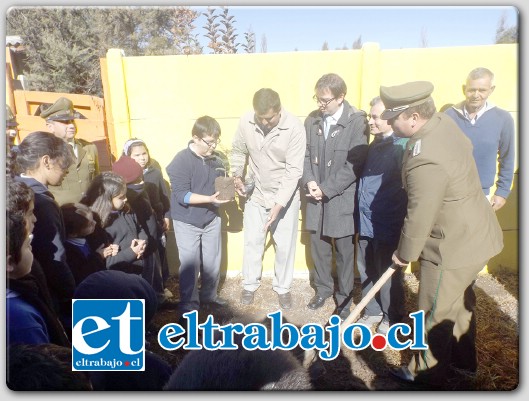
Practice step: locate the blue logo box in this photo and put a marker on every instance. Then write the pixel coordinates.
(108, 334)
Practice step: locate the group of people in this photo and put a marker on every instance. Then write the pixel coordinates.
(418, 191)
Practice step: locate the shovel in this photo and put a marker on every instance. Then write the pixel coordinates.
(355, 313)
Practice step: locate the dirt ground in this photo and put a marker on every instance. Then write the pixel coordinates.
(497, 331)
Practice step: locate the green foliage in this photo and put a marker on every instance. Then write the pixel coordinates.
(221, 34)
(64, 44)
(357, 44)
(249, 46)
(506, 34)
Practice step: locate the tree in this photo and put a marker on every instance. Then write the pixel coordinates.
(325, 46)
(212, 28)
(249, 36)
(181, 28)
(357, 44)
(506, 34)
(228, 44)
(64, 44)
(221, 34)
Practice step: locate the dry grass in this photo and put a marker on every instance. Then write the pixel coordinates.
(497, 334)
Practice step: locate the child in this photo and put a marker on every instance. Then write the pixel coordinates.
(41, 160)
(137, 198)
(79, 223)
(29, 311)
(196, 221)
(158, 192)
(107, 198)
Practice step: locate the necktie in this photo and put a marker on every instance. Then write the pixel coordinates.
(326, 125)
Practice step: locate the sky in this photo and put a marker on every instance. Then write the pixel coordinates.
(305, 28)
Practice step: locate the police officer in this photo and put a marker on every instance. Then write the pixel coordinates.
(450, 228)
(60, 122)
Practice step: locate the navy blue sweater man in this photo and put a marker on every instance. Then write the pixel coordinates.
(491, 131)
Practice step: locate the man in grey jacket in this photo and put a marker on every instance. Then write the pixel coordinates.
(336, 150)
(272, 140)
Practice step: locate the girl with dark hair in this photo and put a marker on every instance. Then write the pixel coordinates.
(107, 197)
(158, 193)
(83, 259)
(42, 159)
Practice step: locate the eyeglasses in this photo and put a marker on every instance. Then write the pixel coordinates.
(212, 143)
(323, 102)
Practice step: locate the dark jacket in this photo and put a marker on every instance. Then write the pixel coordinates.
(191, 173)
(158, 192)
(381, 198)
(122, 229)
(83, 261)
(138, 200)
(335, 164)
(31, 318)
(47, 246)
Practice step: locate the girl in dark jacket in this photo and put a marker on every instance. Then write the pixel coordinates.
(107, 197)
(158, 193)
(42, 159)
(82, 258)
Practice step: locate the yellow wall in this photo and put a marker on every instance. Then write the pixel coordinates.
(158, 98)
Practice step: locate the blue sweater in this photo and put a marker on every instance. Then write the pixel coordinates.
(493, 139)
(189, 173)
(25, 324)
(382, 201)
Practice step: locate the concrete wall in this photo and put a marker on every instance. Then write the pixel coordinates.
(158, 99)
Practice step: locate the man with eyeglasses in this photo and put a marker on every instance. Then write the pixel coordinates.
(337, 136)
(60, 122)
(272, 141)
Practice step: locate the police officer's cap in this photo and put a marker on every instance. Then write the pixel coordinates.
(401, 97)
(10, 118)
(61, 110)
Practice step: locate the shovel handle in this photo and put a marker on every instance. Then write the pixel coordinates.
(355, 313)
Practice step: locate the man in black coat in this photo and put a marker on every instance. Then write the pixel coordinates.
(336, 150)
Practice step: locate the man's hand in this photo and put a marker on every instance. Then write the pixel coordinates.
(314, 190)
(239, 186)
(398, 261)
(272, 216)
(166, 224)
(497, 202)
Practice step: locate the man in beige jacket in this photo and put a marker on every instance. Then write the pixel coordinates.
(273, 142)
(450, 228)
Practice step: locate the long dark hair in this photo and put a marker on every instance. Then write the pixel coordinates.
(99, 194)
(38, 144)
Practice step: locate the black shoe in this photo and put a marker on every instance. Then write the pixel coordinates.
(285, 300)
(402, 373)
(247, 297)
(316, 302)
